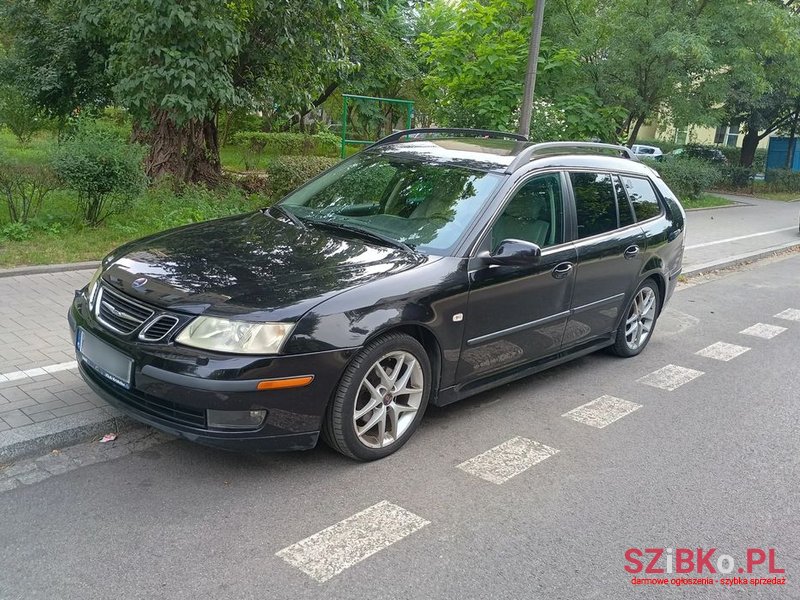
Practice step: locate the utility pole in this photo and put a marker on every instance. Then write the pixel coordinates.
(530, 76)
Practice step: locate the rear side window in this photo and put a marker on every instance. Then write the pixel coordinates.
(642, 196)
(595, 204)
(625, 211)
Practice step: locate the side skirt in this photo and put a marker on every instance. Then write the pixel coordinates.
(459, 392)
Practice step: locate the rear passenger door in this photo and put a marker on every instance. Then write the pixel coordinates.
(610, 248)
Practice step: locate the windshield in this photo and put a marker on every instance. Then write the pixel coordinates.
(425, 205)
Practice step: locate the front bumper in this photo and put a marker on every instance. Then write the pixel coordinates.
(173, 386)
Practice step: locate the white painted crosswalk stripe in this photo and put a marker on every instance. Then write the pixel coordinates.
(602, 412)
(670, 377)
(790, 314)
(764, 331)
(722, 351)
(507, 460)
(348, 542)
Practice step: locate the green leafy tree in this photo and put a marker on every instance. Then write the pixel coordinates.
(643, 55)
(52, 59)
(757, 83)
(476, 55)
(172, 64)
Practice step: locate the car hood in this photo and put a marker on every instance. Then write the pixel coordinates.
(251, 267)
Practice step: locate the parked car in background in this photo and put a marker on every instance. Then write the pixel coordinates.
(713, 155)
(647, 152)
(420, 271)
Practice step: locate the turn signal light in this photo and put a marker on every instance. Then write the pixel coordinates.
(282, 384)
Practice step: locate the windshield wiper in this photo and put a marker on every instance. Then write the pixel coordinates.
(366, 233)
(289, 215)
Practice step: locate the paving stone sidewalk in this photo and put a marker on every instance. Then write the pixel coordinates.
(41, 392)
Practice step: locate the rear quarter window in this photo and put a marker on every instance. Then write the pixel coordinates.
(642, 196)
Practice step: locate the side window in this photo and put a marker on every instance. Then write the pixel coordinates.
(534, 214)
(625, 211)
(595, 204)
(643, 197)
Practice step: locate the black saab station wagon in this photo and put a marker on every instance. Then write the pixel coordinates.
(432, 266)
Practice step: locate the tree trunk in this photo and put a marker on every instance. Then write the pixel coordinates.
(792, 136)
(189, 153)
(635, 131)
(749, 147)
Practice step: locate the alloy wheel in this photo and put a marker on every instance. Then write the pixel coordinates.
(640, 319)
(388, 399)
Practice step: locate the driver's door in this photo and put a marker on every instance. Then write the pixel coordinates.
(518, 314)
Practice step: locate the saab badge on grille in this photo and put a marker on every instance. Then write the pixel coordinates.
(137, 283)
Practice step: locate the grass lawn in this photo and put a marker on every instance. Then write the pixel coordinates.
(57, 235)
(706, 201)
(781, 196)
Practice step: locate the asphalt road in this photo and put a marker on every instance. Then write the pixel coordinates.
(712, 464)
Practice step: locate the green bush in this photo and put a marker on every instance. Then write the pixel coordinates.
(16, 232)
(688, 177)
(105, 171)
(24, 188)
(782, 180)
(289, 172)
(20, 115)
(734, 177)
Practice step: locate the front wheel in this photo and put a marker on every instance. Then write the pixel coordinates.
(636, 328)
(380, 399)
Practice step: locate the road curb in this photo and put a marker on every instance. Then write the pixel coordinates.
(739, 259)
(41, 438)
(40, 269)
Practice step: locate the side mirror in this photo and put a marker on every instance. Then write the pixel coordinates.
(515, 253)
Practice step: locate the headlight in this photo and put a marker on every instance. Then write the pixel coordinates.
(238, 337)
(91, 288)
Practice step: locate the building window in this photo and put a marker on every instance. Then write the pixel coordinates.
(682, 135)
(719, 134)
(733, 135)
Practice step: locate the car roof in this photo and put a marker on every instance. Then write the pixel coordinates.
(499, 155)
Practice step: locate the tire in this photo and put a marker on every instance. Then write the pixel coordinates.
(365, 396)
(637, 325)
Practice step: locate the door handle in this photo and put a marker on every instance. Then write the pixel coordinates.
(631, 251)
(562, 270)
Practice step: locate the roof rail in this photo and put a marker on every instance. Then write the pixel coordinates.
(486, 133)
(525, 156)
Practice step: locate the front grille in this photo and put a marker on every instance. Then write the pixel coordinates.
(173, 412)
(119, 313)
(158, 328)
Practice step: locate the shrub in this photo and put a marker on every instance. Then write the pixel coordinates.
(105, 171)
(782, 180)
(21, 116)
(688, 177)
(735, 177)
(24, 188)
(289, 172)
(16, 232)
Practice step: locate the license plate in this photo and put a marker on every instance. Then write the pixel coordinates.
(106, 360)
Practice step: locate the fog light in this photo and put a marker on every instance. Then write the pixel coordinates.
(235, 419)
